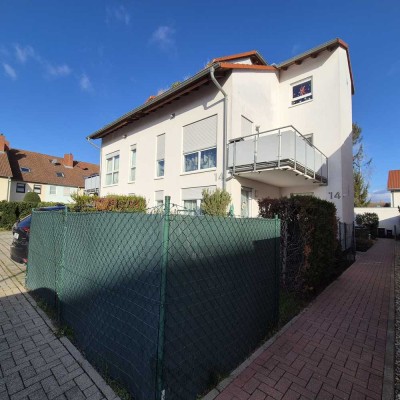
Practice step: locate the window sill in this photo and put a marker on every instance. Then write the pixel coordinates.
(198, 171)
(130, 182)
(107, 186)
(299, 104)
(157, 178)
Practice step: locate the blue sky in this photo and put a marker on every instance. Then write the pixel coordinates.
(68, 68)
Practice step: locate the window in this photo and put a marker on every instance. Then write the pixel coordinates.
(159, 197)
(192, 205)
(60, 174)
(160, 162)
(132, 173)
(112, 169)
(37, 189)
(192, 197)
(202, 159)
(20, 188)
(302, 91)
(67, 191)
(25, 169)
(200, 144)
(53, 189)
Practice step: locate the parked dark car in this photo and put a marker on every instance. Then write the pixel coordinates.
(20, 231)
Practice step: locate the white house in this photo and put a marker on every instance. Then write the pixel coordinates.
(394, 187)
(257, 129)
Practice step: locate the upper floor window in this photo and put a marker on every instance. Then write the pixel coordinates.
(199, 144)
(302, 91)
(112, 169)
(25, 169)
(20, 188)
(160, 162)
(132, 172)
(37, 189)
(60, 174)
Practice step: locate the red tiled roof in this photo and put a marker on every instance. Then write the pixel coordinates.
(247, 66)
(5, 169)
(394, 179)
(43, 170)
(252, 54)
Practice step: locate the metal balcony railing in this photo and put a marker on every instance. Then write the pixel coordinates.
(282, 148)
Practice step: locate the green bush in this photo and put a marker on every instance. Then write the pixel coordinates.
(363, 244)
(369, 221)
(32, 197)
(120, 203)
(312, 223)
(215, 203)
(12, 211)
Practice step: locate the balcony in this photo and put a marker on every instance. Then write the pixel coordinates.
(281, 157)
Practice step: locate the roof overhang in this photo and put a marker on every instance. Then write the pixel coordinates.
(314, 52)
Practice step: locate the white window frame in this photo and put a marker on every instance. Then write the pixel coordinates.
(198, 205)
(198, 152)
(50, 189)
(132, 166)
(158, 160)
(112, 157)
(37, 189)
(292, 99)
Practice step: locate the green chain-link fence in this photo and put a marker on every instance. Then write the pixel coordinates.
(166, 303)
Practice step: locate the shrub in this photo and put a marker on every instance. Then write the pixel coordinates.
(369, 221)
(12, 211)
(83, 202)
(215, 203)
(309, 239)
(120, 203)
(32, 197)
(363, 244)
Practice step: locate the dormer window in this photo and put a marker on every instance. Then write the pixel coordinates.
(25, 169)
(60, 174)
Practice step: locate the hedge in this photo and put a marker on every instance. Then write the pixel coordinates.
(309, 238)
(11, 211)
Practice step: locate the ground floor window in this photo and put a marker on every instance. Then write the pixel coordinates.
(37, 189)
(53, 189)
(20, 188)
(192, 206)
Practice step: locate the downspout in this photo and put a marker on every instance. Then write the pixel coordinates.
(98, 148)
(225, 126)
(9, 189)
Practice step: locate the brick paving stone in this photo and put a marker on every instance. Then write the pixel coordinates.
(336, 348)
(34, 363)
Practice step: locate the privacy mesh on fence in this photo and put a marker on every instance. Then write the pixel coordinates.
(165, 303)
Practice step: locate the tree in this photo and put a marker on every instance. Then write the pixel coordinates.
(361, 169)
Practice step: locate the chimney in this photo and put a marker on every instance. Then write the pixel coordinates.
(68, 160)
(4, 144)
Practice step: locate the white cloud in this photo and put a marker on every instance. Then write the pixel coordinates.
(85, 84)
(163, 36)
(380, 195)
(10, 71)
(24, 53)
(118, 14)
(58, 70)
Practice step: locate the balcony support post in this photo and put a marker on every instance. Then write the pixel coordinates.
(279, 148)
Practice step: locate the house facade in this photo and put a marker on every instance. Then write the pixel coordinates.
(393, 186)
(53, 178)
(256, 129)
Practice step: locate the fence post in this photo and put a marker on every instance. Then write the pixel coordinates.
(277, 266)
(163, 284)
(61, 266)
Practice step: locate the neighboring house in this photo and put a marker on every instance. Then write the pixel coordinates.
(393, 186)
(53, 178)
(92, 184)
(256, 129)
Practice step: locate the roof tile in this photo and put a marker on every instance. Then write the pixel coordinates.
(394, 179)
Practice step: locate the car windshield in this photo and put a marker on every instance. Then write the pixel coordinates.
(25, 222)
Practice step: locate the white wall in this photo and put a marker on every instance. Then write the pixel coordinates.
(388, 216)
(395, 198)
(204, 103)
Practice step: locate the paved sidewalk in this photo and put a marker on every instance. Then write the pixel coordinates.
(34, 363)
(333, 350)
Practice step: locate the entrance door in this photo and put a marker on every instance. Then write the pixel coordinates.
(245, 202)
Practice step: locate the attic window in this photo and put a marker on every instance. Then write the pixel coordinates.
(302, 91)
(25, 169)
(60, 174)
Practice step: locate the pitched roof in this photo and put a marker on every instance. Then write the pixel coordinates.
(221, 66)
(394, 180)
(5, 169)
(43, 170)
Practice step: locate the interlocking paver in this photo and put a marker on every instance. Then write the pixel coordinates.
(34, 363)
(336, 348)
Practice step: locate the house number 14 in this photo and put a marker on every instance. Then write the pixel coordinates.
(336, 195)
